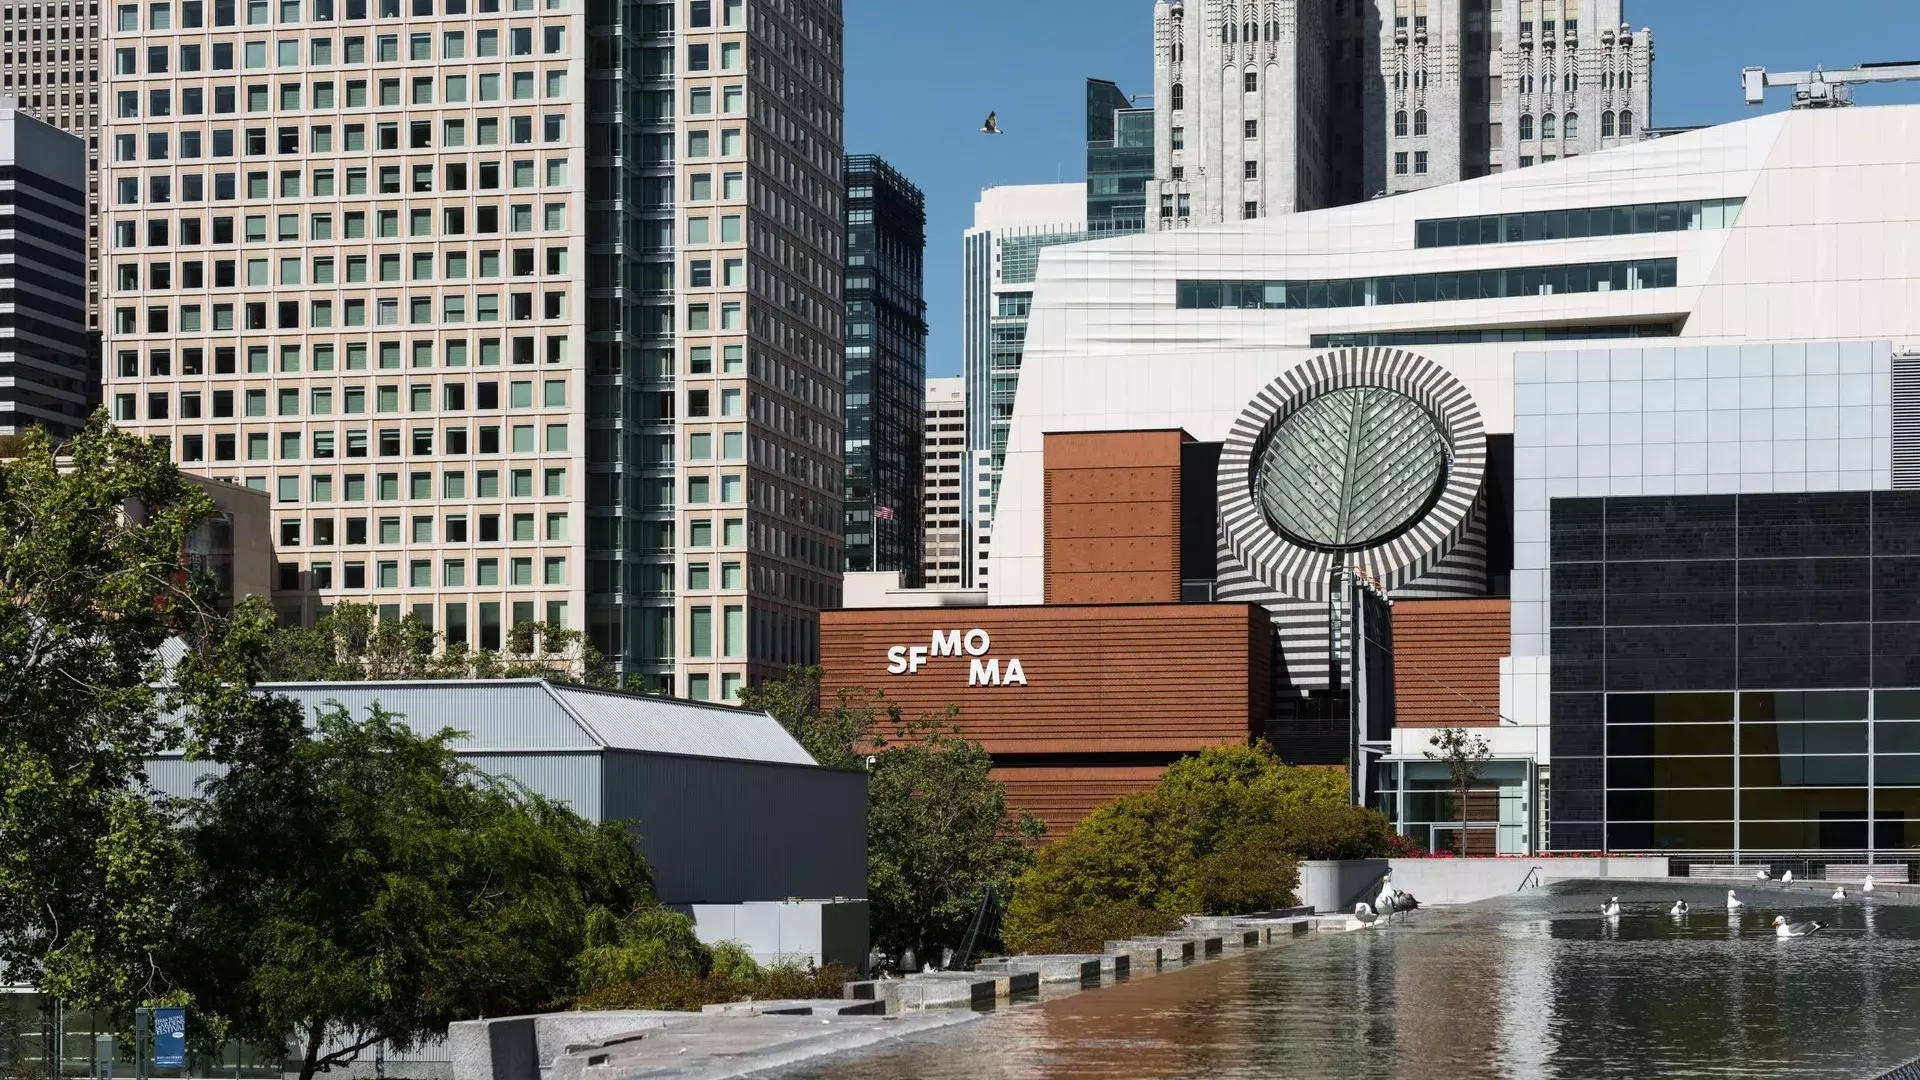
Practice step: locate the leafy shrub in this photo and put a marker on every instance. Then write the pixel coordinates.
(647, 942)
(1259, 874)
(1335, 832)
(683, 992)
(1220, 834)
(1089, 929)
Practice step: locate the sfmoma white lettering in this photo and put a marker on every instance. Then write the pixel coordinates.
(974, 644)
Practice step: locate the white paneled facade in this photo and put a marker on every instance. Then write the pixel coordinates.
(1802, 240)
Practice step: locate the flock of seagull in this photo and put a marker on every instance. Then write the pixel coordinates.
(1392, 899)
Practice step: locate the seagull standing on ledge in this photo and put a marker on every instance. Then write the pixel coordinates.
(1679, 908)
(992, 126)
(1762, 875)
(1612, 908)
(1783, 928)
(1364, 914)
(1867, 886)
(1786, 878)
(1733, 902)
(1840, 892)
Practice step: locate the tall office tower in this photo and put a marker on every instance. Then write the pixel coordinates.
(1265, 109)
(48, 371)
(943, 489)
(1011, 225)
(1241, 109)
(886, 369)
(1571, 81)
(1119, 161)
(522, 310)
(50, 66)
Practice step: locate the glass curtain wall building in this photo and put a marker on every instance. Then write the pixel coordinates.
(1119, 161)
(886, 370)
(521, 310)
(1736, 672)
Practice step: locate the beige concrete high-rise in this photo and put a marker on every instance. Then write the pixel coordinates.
(943, 487)
(522, 310)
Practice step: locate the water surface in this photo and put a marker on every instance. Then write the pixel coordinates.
(1533, 985)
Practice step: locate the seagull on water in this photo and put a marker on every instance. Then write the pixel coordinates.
(1840, 892)
(1783, 928)
(1392, 898)
(1612, 908)
(1733, 902)
(1762, 874)
(1364, 914)
(1786, 878)
(1867, 886)
(1679, 908)
(992, 126)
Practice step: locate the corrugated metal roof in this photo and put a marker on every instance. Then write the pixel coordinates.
(651, 724)
(533, 714)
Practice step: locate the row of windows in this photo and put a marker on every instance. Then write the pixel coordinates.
(320, 357)
(416, 135)
(1424, 288)
(358, 442)
(1476, 335)
(353, 400)
(321, 314)
(188, 57)
(1569, 126)
(193, 13)
(1578, 223)
(321, 96)
(453, 575)
(349, 269)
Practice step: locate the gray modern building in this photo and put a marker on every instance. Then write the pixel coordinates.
(49, 368)
(1303, 104)
(50, 66)
(886, 369)
(724, 804)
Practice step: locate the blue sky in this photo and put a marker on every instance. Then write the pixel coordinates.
(922, 74)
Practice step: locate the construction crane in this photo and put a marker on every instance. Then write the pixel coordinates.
(1819, 89)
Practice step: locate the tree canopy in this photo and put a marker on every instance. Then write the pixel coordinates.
(92, 556)
(352, 644)
(1219, 835)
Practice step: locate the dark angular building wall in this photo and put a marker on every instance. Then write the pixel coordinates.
(1664, 608)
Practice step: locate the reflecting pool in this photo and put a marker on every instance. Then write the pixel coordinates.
(1532, 985)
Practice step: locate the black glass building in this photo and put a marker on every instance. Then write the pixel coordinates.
(886, 369)
(1119, 161)
(1736, 673)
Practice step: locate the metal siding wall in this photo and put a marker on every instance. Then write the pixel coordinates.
(724, 832)
(573, 779)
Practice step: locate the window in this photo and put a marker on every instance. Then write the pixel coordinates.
(1420, 162)
(1250, 170)
(1606, 124)
(1420, 122)
(1423, 288)
(1526, 126)
(1626, 122)
(1252, 131)
(1250, 82)
(1547, 126)
(1400, 124)
(1400, 163)
(1250, 210)
(1179, 97)
(1179, 136)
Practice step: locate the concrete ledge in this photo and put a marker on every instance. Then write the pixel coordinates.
(799, 1007)
(1071, 967)
(1142, 957)
(705, 1046)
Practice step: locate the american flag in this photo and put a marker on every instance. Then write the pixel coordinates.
(883, 513)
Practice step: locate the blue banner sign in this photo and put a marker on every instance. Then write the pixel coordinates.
(169, 1038)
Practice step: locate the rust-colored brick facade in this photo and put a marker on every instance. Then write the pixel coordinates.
(1113, 517)
(1446, 661)
(1111, 693)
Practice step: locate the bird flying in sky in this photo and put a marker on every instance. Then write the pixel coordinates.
(992, 126)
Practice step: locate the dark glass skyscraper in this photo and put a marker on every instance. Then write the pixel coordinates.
(1119, 161)
(886, 369)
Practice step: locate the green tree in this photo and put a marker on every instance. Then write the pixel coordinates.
(92, 561)
(368, 886)
(1220, 834)
(938, 836)
(838, 737)
(1465, 755)
(351, 644)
